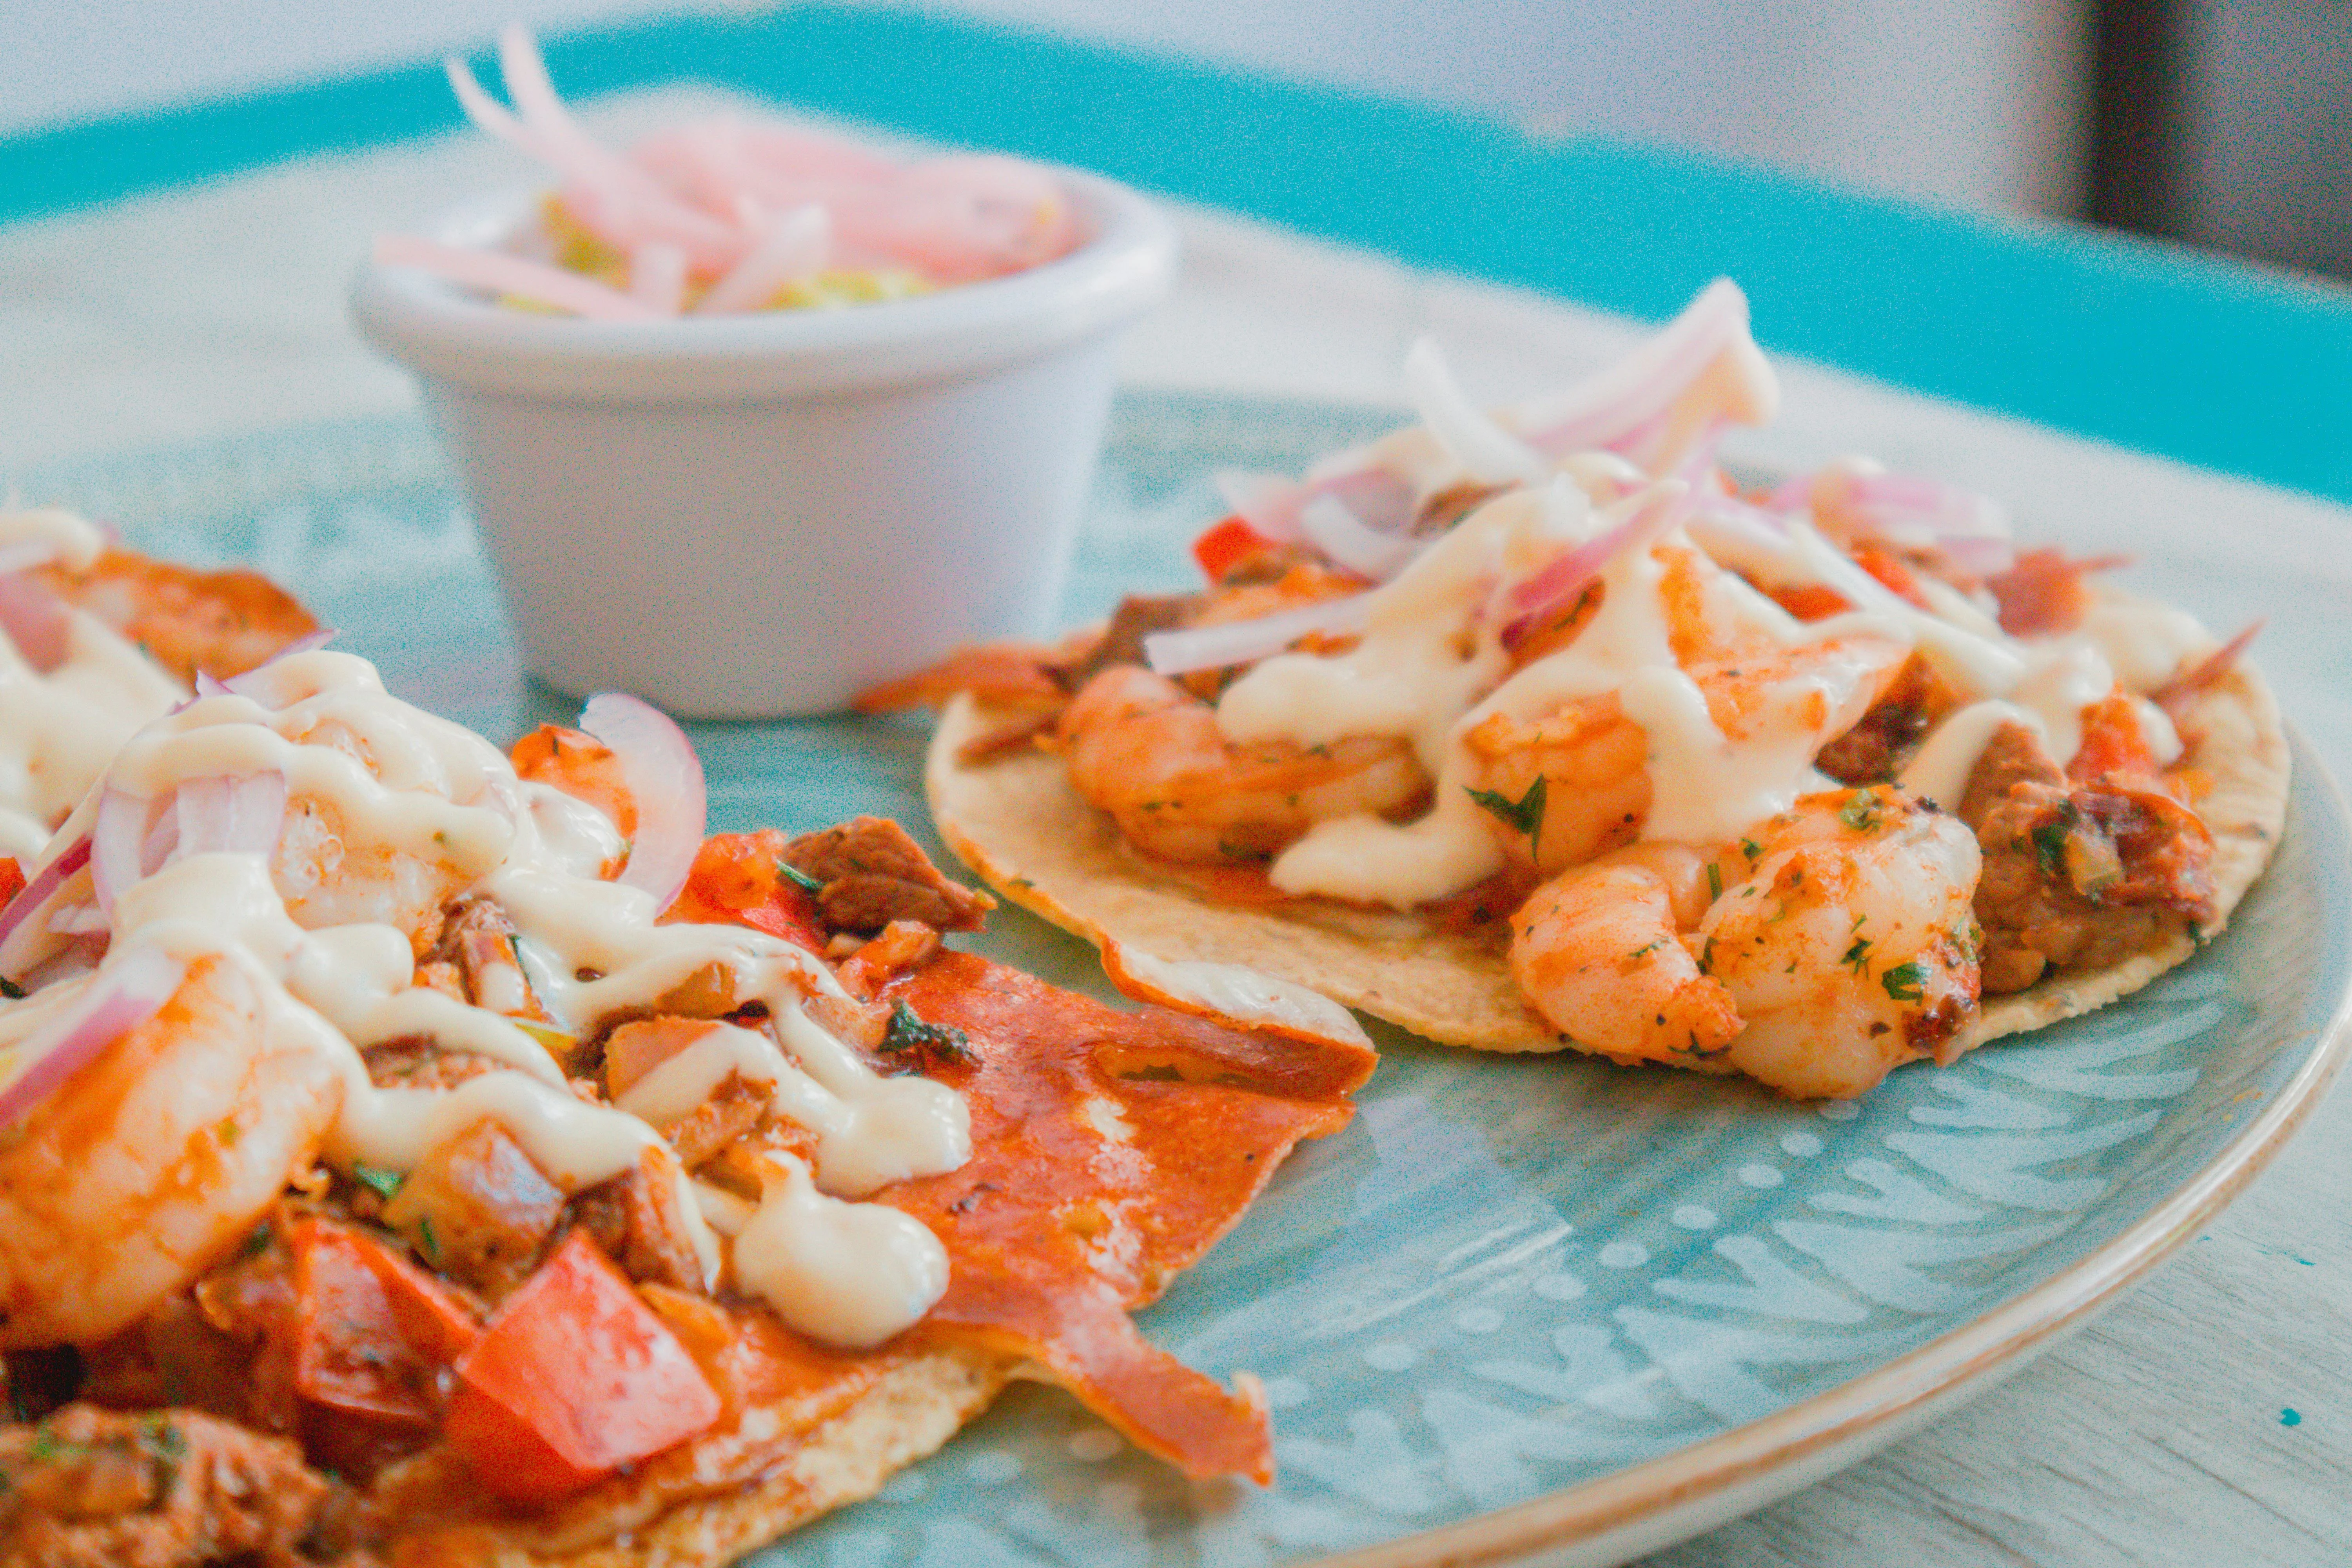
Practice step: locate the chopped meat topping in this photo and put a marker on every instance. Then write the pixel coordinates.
(870, 873)
(414, 1062)
(163, 1489)
(1138, 617)
(479, 939)
(477, 1208)
(1875, 749)
(2077, 874)
(636, 1218)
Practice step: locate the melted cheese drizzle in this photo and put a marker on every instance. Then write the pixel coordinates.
(59, 731)
(1429, 668)
(849, 1273)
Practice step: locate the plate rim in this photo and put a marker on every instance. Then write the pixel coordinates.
(1869, 1411)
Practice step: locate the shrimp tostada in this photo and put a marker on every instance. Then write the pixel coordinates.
(1534, 730)
(412, 1154)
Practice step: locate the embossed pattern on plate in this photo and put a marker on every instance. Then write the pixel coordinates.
(1514, 1276)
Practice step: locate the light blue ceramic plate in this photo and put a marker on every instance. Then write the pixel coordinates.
(1524, 1304)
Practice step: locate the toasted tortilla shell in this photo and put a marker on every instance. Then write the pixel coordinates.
(909, 1413)
(1015, 820)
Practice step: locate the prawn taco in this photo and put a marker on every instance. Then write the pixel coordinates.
(414, 1153)
(1536, 730)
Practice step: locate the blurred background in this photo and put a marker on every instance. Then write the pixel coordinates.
(2224, 123)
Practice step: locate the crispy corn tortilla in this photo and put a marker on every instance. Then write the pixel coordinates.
(909, 1413)
(1015, 820)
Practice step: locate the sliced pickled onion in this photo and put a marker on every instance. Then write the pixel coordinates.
(658, 278)
(44, 882)
(795, 245)
(36, 620)
(1654, 512)
(498, 272)
(664, 779)
(1977, 554)
(1268, 502)
(1612, 406)
(247, 683)
(1491, 454)
(1338, 533)
(131, 988)
(134, 836)
(1244, 642)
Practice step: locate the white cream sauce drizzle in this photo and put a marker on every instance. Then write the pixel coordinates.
(1428, 666)
(58, 731)
(852, 1273)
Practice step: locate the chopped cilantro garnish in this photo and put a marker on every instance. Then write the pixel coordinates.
(1753, 850)
(1713, 880)
(2049, 847)
(1858, 955)
(11, 990)
(1525, 814)
(908, 1031)
(1861, 813)
(427, 1242)
(1904, 982)
(791, 873)
(385, 1183)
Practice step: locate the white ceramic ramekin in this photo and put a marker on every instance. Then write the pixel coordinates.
(761, 515)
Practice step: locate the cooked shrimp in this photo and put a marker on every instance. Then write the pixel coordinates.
(1850, 945)
(1152, 756)
(222, 623)
(1598, 952)
(145, 1167)
(1593, 760)
(1842, 943)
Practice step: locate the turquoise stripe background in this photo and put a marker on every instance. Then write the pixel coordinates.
(2149, 346)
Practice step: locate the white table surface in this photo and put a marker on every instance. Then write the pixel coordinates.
(2155, 1436)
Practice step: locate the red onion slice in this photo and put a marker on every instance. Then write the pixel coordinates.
(1614, 405)
(1244, 642)
(24, 555)
(120, 842)
(1657, 511)
(664, 779)
(36, 620)
(1491, 454)
(1978, 555)
(244, 685)
(44, 882)
(497, 272)
(1338, 533)
(134, 837)
(1268, 502)
(239, 815)
(131, 988)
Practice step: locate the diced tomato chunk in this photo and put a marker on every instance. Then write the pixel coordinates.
(371, 1331)
(1892, 572)
(12, 880)
(574, 1376)
(580, 765)
(739, 880)
(1810, 601)
(2114, 745)
(1224, 544)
